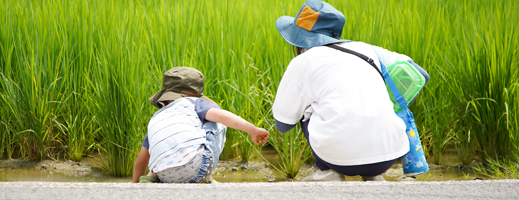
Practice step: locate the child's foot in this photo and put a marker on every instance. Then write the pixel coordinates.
(210, 180)
(148, 179)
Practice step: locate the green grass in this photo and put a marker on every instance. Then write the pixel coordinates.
(496, 169)
(79, 73)
(293, 150)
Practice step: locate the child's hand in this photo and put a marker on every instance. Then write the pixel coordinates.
(261, 134)
(234, 121)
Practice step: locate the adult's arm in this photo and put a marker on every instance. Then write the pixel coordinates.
(292, 97)
(388, 57)
(282, 127)
(420, 69)
(423, 72)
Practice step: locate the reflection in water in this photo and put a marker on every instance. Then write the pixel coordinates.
(254, 171)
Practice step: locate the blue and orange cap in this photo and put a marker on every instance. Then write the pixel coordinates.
(316, 24)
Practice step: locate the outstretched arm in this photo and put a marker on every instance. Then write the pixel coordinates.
(234, 121)
(139, 168)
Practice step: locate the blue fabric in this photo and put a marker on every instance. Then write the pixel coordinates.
(414, 162)
(420, 69)
(282, 127)
(398, 97)
(374, 169)
(215, 137)
(423, 72)
(213, 148)
(146, 142)
(326, 30)
(201, 108)
(206, 168)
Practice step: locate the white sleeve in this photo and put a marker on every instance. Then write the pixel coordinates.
(291, 99)
(388, 57)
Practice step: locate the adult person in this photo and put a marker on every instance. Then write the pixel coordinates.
(340, 99)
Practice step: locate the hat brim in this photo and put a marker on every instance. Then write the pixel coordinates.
(172, 96)
(300, 37)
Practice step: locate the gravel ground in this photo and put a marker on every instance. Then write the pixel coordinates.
(499, 189)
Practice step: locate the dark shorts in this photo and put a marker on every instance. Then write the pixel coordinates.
(352, 170)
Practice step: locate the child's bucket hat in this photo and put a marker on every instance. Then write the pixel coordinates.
(180, 82)
(316, 24)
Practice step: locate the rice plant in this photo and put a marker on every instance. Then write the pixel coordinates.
(80, 132)
(484, 73)
(293, 150)
(78, 73)
(496, 169)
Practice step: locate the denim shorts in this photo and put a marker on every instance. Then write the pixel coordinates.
(215, 139)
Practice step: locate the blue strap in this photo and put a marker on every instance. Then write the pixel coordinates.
(398, 97)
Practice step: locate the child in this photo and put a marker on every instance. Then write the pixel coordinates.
(186, 136)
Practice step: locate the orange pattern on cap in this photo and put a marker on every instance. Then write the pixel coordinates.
(190, 93)
(307, 18)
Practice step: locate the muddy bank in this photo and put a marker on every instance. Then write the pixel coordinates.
(226, 171)
(69, 168)
(67, 171)
(239, 171)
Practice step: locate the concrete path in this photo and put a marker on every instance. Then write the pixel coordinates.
(501, 189)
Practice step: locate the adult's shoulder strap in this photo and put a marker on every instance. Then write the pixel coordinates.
(362, 56)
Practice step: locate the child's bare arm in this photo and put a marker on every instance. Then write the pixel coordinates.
(141, 163)
(234, 121)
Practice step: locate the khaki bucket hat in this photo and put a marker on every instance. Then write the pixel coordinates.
(180, 82)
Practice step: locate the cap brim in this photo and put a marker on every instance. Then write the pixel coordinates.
(171, 96)
(300, 37)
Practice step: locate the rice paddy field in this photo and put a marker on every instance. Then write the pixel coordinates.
(76, 75)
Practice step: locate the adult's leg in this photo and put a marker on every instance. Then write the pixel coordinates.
(318, 162)
(363, 170)
(373, 169)
(323, 173)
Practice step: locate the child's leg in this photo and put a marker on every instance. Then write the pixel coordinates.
(183, 173)
(203, 163)
(215, 135)
(217, 131)
(206, 166)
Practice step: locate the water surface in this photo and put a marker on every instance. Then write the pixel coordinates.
(231, 171)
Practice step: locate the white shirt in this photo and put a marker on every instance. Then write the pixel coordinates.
(172, 129)
(352, 121)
